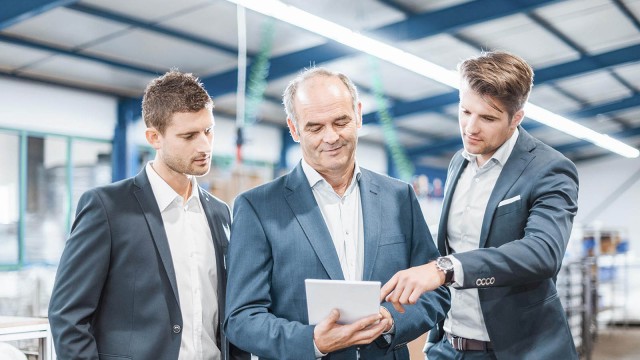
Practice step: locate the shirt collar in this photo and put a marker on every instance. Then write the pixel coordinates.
(314, 177)
(502, 154)
(163, 193)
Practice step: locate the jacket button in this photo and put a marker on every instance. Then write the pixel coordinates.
(176, 329)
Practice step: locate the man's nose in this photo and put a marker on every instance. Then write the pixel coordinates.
(330, 135)
(204, 142)
(471, 127)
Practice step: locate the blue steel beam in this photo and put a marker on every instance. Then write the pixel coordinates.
(575, 46)
(588, 63)
(451, 144)
(613, 106)
(397, 6)
(11, 39)
(628, 13)
(414, 27)
(37, 79)
(554, 72)
(91, 10)
(16, 11)
(453, 18)
(579, 144)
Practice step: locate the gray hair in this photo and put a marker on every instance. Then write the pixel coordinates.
(290, 92)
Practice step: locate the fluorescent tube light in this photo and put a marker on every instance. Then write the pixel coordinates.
(393, 55)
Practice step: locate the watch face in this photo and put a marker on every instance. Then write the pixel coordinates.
(445, 264)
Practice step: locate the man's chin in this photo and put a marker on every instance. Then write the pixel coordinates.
(199, 172)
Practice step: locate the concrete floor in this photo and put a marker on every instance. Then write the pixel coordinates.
(617, 343)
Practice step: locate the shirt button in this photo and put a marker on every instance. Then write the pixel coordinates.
(176, 329)
(468, 208)
(477, 179)
(347, 232)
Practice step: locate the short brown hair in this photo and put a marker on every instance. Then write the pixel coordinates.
(172, 93)
(500, 75)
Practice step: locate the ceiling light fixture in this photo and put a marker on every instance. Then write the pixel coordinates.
(302, 19)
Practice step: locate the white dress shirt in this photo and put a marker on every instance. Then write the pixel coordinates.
(343, 217)
(194, 261)
(464, 226)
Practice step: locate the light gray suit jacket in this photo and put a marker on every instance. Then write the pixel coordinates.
(115, 295)
(279, 239)
(522, 244)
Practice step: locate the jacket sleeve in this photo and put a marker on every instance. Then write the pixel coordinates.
(79, 280)
(249, 324)
(538, 254)
(432, 307)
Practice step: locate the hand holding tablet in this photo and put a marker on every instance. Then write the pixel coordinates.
(353, 299)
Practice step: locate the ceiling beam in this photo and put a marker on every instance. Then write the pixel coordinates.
(454, 18)
(16, 11)
(66, 85)
(15, 40)
(580, 144)
(413, 27)
(451, 144)
(627, 12)
(153, 26)
(588, 63)
(554, 72)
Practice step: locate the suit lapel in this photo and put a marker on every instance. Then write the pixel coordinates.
(457, 166)
(516, 163)
(299, 196)
(371, 218)
(220, 231)
(149, 205)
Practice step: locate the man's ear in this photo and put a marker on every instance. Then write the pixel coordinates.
(292, 129)
(153, 138)
(359, 115)
(517, 119)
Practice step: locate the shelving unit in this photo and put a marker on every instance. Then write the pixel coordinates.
(609, 247)
(593, 283)
(577, 289)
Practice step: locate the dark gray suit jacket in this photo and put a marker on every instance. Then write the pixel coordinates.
(522, 244)
(279, 239)
(115, 295)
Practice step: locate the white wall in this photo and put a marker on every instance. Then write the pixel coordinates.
(39, 107)
(598, 180)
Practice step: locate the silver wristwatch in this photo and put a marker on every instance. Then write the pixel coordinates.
(445, 265)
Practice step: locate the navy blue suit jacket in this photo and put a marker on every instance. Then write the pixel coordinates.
(279, 239)
(521, 247)
(115, 294)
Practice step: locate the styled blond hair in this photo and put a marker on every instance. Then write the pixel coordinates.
(504, 77)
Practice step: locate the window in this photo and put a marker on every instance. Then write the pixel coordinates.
(9, 197)
(42, 178)
(47, 207)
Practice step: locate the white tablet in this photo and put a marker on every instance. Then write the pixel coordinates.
(354, 299)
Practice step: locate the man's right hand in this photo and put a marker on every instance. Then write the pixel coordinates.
(330, 336)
